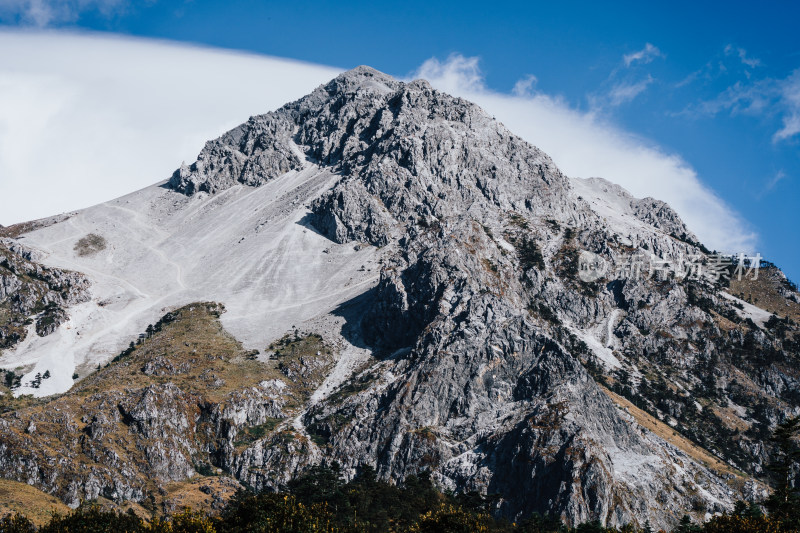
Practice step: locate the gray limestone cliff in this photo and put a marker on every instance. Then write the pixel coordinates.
(483, 322)
(495, 363)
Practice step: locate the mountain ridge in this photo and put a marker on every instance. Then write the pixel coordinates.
(441, 255)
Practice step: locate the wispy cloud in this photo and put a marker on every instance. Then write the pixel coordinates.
(456, 71)
(624, 92)
(730, 61)
(780, 175)
(764, 97)
(789, 90)
(626, 81)
(767, 97)
(42, 13)
(583, 144)
(751, 62)
(524, 86)
(645, 55)
(742, 98)
(771, 183)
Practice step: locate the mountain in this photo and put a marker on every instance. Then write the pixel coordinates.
(381, 274)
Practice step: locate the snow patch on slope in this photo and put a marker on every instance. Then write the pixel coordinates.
(249, 248)
(598, 348)
(631, 218)
(612, 204)
(754, 313)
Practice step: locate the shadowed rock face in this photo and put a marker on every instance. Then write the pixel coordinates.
(489, 352)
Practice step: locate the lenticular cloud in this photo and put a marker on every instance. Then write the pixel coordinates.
(86, 117)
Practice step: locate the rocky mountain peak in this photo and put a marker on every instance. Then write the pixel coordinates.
(405, 150)
(361, 78)
(651, 211)
(445, 257)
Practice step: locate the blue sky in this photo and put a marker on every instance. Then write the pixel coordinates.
(716, 86)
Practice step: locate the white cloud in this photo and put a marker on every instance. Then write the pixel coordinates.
(43, 13)
(623, 84)
(524, 86)
(777, 178)
(458, 72)
(86, 118)
(645, 55)
(742, 98)
(584, 145)
(751, 62)
(720, 65)
(790, 99)
(626, 91)
(767, 97)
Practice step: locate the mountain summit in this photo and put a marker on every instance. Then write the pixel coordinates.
(402, 284)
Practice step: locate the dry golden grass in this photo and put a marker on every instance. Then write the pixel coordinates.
(723, 323)
(192, 351)
(21, 498)
(202, 493)
(730, 418)
(764, 293)
(124, 507)
(306, 358)
(195, 353)
(669, 434)
(10, 403)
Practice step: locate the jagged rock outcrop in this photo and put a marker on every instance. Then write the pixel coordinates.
(251, 154)
(468, 205)
(125, 432)
(638, 392)
(487, 397)
(31, 292)
(651, 211)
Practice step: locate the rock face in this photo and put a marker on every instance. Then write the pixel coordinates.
(127, 431)
(250, 154)
(652, 212)
(32, 292)
(497, 363)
